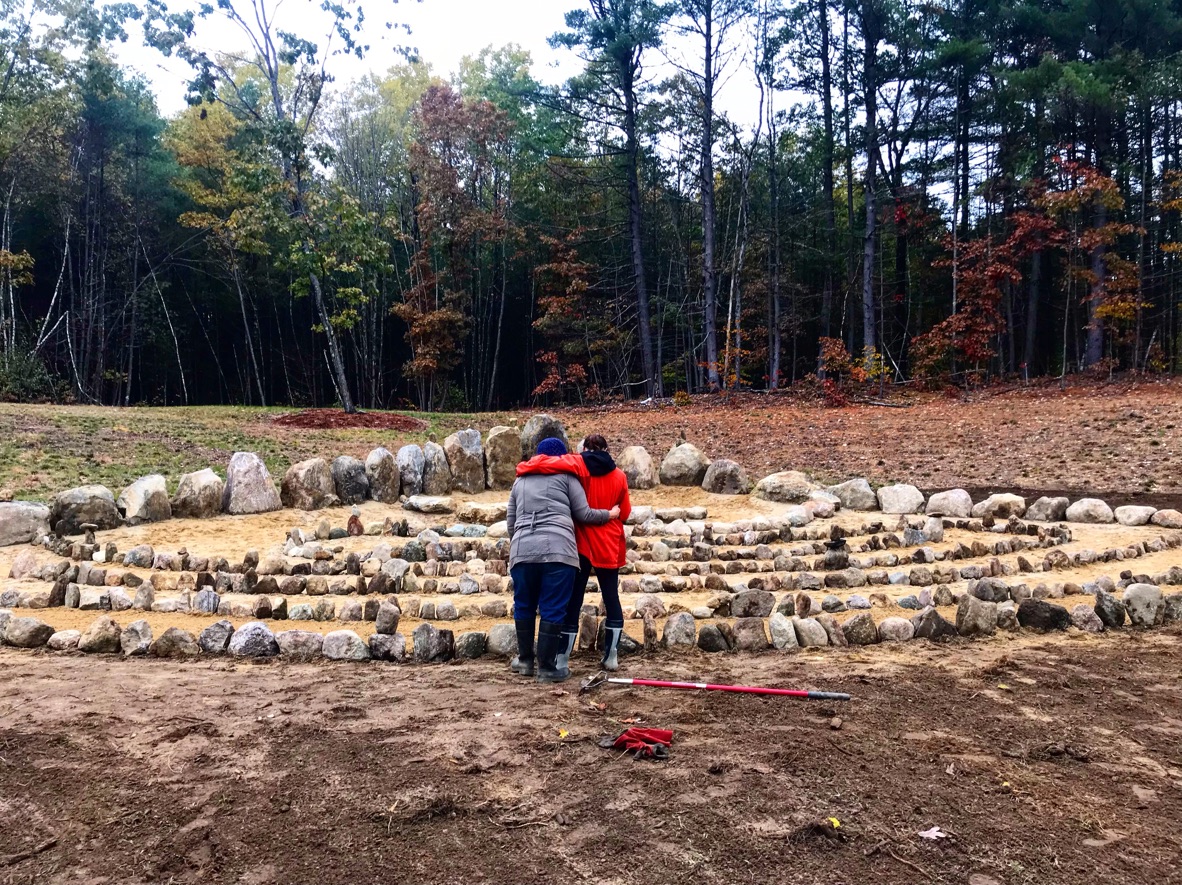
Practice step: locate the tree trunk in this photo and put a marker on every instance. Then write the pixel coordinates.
(652, 372)
(336, 362)
(709, 275)
(827, 176)
(870, 27)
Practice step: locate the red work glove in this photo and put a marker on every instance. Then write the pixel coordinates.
(645, 743)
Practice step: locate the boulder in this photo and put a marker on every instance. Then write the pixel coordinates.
(249, 488)
(429, 504)
(1047, 509)
(174, 643)
(345, 645)
(502, 638)
(725, 477)
(1132, 515)
(1109, 609)
(783, 632)
(385, 481)
(145, 500)
(215, 638)
(1167, 519)
(24, 565)
(712, 639)
(471, 645)
(541, 427)
(465, 455)
(649, 604)
(26, 633)
(1038, 614)
(64, 640)
(253, 640)
(388, 617)
(484, 514)
(975, 617)
(855, 494)
(929, 624)
(1090, 510)
(680, 630)
(136, 639)
(93, 504)
(350, 480)
(895, 630)
(1142, 602)
(199, 495)
(411, 463)
(752, 604)
(387, 647)
(502, 452)
(1000, 506)
(637, 465)
(432, 645)
(302, 645)
(1084, 617)
(436, 470)
(685, 465)
(809, 633)
(900, 498)
(860, 629)
(1171, 609)
(101, 637)
(786, 487)
(140, 556)
(954, 504)
(22, 522)
(750, 634)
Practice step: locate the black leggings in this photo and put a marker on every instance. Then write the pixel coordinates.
(609, 587)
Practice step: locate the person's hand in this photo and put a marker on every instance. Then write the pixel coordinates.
(614, 513)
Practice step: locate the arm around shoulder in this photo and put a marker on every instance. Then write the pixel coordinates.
(579, 508)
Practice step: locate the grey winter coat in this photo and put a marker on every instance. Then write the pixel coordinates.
(541, 518)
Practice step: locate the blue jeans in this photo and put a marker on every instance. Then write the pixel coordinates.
(542, 588)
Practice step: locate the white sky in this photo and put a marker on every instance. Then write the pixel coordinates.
(443, 31)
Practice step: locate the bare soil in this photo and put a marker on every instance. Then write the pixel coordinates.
(324, 419)
(151, 771)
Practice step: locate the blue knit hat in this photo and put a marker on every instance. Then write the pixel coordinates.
(551, 446)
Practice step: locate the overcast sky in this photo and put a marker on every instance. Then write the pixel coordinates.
(443, 32)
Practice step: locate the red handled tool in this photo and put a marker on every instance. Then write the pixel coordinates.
(603, 679)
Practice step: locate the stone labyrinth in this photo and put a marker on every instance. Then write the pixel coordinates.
(404, 557)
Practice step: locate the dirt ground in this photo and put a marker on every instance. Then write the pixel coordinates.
(151, 771)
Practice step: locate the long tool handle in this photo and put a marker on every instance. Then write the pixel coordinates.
(745, 689)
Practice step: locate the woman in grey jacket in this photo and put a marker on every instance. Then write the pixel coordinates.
(543, 556)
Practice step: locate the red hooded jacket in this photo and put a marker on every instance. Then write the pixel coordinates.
(603, 545)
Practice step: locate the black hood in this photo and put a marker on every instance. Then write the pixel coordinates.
(599, 463)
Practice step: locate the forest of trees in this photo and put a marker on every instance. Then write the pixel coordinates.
(945, 191)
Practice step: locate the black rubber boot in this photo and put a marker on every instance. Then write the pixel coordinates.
(523, 664)
(611, 642)
(550, 645)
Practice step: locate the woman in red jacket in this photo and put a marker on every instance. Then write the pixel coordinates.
(601, 547)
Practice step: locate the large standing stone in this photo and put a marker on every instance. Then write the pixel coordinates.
(136, 639)
(752, 604)
(502, 452)
(929, 624)
(783, 633)
(954, 503)
(900, 498)
(145, 500)
(199, 495)
(26, 633)
(502, 640)
(680, 630)
(860, 629)
(1142, 602)
(101, 637)
(1038, 614)
(637, 465)
(712, 639)
(725, 477)
(1090, 510)
(975, 617)
(541, 427)
(432, 645)
(350, 479)
(1110, 610)
(436, 470)
(215, 638)
(1048, 509)
(308, 485)
(174, 643)
(809, 633)
(22, 522)
(750, 634)
(1132, 515)
(345, 645)
(84, 505)
(387, 619)
(249, 488)
(1000, 506)
(785, 487)
(411, 464)
(253, 640)
(465, 455)
(1167, 519)
(855, 494)
(685, 465)
(385, 481)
